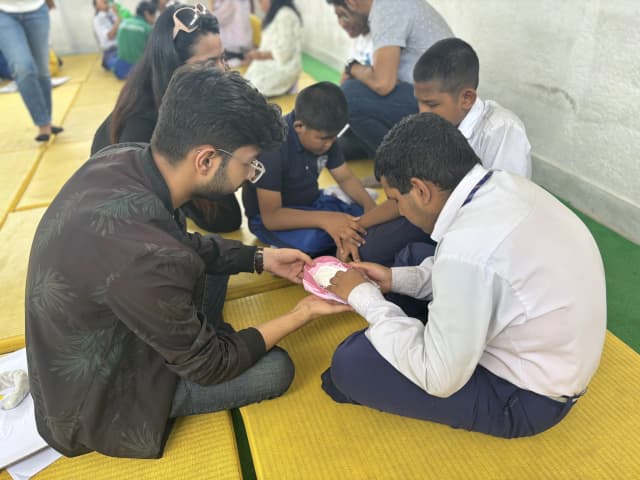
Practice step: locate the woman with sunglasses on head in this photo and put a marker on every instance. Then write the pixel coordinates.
(275, 67)
(181, 35)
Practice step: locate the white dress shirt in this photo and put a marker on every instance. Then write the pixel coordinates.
(516, 285)
(498, 137)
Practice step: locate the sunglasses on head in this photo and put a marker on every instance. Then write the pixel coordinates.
(186, 19)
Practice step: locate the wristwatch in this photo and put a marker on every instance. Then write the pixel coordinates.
(350, 63)
(258, 260)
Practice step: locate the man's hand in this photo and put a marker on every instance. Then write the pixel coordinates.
(286, 262)
(344, 282)
(379, 274)
(51, 4)
(345, 230)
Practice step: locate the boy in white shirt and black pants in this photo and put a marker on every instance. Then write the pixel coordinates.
(516, 290)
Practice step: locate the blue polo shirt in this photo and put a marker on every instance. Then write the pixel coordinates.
(292, 171)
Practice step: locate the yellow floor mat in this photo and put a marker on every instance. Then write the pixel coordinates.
(200, 447)
(306, 435)
(16, 236)
(17, 168)
(82, 122)
(58, 163)
(17, 131)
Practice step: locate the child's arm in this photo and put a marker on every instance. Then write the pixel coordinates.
(382, 213)
(340, 226)
(350, 185)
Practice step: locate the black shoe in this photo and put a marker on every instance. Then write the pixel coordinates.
(56, 130)
(43, 137)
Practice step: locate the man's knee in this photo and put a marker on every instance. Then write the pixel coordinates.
(279, 371)
(347, 361)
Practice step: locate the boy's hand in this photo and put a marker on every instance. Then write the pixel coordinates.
(286, 262)
(380, 274)
(350, 252)
(344, 282)
(345, 230)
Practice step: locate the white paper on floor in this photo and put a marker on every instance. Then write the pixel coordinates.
(19, 436)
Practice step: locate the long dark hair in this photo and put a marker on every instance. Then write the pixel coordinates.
(149, 78)
(273, 9)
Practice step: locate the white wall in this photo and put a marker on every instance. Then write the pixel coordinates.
(72, 28)
(569, 69)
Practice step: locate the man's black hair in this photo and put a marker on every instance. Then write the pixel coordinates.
(145, 7)
(205, 105)
(322, 106)
(424, 146)
(452, 62)
(338, 3)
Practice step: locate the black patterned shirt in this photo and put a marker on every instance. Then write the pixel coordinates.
(111, 321)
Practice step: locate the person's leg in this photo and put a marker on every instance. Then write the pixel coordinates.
(36, 27)
(411, 255)
(270, 377)
(351, 146)
(486, 404)
(384, 241)
(109, 58)
(15, 47)
(121, 69)
(313, 241)
(371, 116)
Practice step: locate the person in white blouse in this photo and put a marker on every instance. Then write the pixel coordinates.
(516, 288)
(105, 27)
(275, 67)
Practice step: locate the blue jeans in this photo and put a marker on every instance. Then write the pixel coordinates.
(486, 404)
(270, 377)
(24, 41)
(312, 241)
(371, 115)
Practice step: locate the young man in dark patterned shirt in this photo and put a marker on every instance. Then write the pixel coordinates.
(123, 306)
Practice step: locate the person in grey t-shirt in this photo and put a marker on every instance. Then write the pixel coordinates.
(381, 94)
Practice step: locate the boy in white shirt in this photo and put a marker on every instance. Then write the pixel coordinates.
(445, 82)
(516, 290)
(105, 27)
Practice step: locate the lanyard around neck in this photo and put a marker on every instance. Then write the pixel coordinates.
(476, 187)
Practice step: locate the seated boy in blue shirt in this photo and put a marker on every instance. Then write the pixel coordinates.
(286, 207)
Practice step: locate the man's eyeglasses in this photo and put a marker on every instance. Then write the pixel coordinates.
(256, 166)
(187, 19)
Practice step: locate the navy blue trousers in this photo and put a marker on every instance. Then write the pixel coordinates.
(486, 404)
(313, 241)
(386, 240)
(371, 115)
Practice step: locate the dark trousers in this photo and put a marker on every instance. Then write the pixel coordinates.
(371, 115)
(385, 241)
(486, 404)
(270, 377)
(313, 241)
(410, 256)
